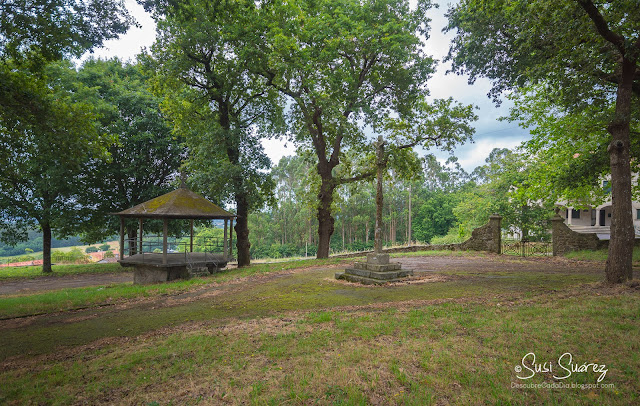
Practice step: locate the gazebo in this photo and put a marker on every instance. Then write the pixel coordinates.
(181, 204)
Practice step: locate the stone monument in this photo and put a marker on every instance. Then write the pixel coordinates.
(377, 270)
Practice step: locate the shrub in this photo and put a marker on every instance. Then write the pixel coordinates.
(91, 249)
(104, 247)
(451, 238)
(75, 256)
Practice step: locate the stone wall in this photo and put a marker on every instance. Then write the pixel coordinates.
(486, 238)
(566, 240)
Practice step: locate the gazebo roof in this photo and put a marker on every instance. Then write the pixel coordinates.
(182, 203)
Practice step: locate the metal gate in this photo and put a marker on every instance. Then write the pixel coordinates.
(526, 248)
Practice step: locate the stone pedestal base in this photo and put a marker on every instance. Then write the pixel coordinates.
(146, 274)
(376, 271)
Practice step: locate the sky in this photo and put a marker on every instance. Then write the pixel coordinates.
(490, 132)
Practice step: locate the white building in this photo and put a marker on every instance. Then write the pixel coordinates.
(595, 219)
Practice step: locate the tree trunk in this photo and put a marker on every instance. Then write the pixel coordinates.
(242, 205)
(325, 219)
(343, 242)
(393, 228)
(242, 231)
(619, 262)
(366, 232)
(46, 248)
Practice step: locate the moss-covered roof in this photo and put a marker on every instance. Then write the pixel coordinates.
(182, 203)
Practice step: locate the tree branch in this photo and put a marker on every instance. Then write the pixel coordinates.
(363, 176)
(601, 25)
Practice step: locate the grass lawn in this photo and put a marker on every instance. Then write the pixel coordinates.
(21, 305)
(31, 272)
(268, 335)
(599, 255)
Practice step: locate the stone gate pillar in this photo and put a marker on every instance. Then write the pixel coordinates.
(557, 223)
(495, 221)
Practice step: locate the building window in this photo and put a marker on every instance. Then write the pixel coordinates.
(575, 214)
(606, 185)
(637, 214)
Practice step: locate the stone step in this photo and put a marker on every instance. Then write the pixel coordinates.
(378, 275)
(365, 280)
(376, 267)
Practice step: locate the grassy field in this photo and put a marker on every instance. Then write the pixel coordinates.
(282, 334)
(599, 255)
(450, 352)
(21, 305)
(31, 272)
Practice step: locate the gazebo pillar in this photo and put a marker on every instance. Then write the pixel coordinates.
(165, 232)
(140, 238)
(225, 248)
(231, 237)
(191, 240)
(121, 237)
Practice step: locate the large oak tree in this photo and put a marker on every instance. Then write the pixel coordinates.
(586, 53)
(47, 129)
(220, 107)
(343, 65)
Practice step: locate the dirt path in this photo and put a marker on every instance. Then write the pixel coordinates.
(47, 283)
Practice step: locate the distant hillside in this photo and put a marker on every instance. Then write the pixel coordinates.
(35, 243)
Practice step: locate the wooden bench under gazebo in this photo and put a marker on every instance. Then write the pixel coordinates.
(181, 204)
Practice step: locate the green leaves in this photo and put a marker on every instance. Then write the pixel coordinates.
(143, 154)
(49, 30)
(45, 155)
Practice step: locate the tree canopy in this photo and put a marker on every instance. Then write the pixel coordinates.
(144, 155)
(47, 123)
(41, 162)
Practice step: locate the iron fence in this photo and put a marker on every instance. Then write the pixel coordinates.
(525, 248)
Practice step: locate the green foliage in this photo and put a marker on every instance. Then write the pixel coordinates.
(566, 167)
(342, 65)
(34, 242)
(220, 105)
(104, 247)
(504, 188)
(44, 158)
(206, 239)
(435, 216)
(47, 128)
(74, 256)
(582, 57)
(143, 154)
(526, 42)
(53, 29)
(89, 250)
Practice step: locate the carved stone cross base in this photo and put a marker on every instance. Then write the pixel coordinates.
(376, 271)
